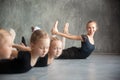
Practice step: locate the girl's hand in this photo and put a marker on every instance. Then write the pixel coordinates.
(54, 29)
(66, 31)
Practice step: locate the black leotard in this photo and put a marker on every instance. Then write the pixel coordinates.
(78, 53)
(42, 61)
(20, 64)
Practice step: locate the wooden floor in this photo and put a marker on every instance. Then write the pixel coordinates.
(96, 67)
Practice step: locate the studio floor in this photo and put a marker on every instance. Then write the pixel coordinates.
(96, 67)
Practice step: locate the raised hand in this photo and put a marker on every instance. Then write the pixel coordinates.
(54, 29)
(66, 31)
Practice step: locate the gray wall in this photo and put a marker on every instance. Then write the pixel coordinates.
(22, 14)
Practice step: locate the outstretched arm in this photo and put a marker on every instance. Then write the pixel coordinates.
(14, 54)
(69, 36)
(22, 47)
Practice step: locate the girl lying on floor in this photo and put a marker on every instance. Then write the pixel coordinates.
(87, 42)
(24, 60)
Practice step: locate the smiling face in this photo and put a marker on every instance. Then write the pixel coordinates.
(91, 27)
(55, 48)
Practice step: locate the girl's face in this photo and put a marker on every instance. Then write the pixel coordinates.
(41, 47)
(56, 48)
(6, 47)
(91, 28)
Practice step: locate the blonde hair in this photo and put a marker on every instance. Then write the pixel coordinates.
(54, 39)
(13, 33)
(3, 34)
(37, 35)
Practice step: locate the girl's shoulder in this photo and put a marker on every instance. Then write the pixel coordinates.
(84, 37)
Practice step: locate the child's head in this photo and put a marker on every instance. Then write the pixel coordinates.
(6, 42)
(91, 27)
(55, 47)
(40, 43)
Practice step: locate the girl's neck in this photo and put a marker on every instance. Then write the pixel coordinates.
(34, 58)
(91, 39)
(50, 58)
(90, 35)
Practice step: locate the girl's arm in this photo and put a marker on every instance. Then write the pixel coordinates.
(69, 36)
(14, 54)
(73, 37)
(19, 47)
(22, 47)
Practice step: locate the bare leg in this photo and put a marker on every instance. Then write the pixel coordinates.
(66, 31)
(54, 29)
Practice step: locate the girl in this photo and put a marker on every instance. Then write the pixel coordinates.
(25, 60)
(57, 45)
(55, 49)
(87, 42)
